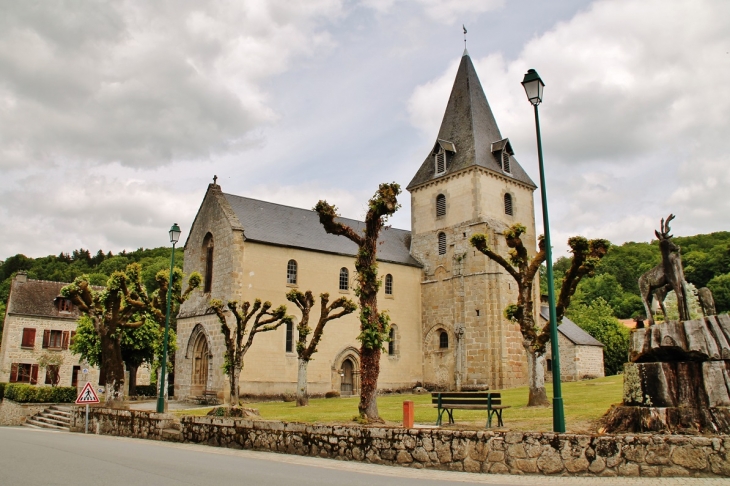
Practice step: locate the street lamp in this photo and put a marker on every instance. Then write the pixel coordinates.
(533, 87)
(174, 238)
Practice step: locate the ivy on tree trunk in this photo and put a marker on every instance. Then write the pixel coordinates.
(305, 302)
(586, 255)
(236, 349)
(374, 325)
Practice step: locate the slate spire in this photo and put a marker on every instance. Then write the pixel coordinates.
(469, 125)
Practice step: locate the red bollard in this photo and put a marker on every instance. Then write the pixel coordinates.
(408, 414)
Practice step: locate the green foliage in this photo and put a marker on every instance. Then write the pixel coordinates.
(597, 319)
(146, 390)
(2, 390)
(720, 287)
(22, 393)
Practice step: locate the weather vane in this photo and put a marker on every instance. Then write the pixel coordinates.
(463, 27)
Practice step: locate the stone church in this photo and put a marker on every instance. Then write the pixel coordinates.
(444, 298)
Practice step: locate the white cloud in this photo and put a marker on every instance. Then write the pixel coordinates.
(443, 11)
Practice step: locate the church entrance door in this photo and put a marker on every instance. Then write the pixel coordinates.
(348, 375)
(201, 355)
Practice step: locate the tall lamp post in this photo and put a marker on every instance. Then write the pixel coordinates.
(174, 237)
(533, 87)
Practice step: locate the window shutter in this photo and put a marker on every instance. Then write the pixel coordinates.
(440, 205)
(14, 373)
(442, 243)
(64, 340)
(46, 338)
(28, 337)
(71, 339)
(505, 161)
(440, 162)
(34, 374)
(508, 204)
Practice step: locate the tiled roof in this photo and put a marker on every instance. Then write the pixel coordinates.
(276, 224)
(37, 298)
(571, 330)
(469, 124)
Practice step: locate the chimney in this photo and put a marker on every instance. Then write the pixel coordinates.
(21, 276)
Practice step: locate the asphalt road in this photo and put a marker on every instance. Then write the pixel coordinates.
(30, 457)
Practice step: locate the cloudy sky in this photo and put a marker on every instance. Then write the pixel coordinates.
(115, 116)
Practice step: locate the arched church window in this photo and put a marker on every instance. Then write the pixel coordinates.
(289, 337)
(442, 243)
(208, 252)
(508, 204)
(391, 342)
(389, 284)
(440, 205)
(291, 272)
(344, 278)
(443, 340)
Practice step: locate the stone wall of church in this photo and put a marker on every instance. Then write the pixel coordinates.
(464, 293)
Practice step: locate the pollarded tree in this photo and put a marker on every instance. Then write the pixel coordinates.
(263, 320)
(374, 325)
(305, 302)
(586, 255)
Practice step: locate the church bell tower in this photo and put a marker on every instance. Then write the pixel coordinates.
(469, 182)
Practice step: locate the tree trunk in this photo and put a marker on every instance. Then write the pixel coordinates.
(132, 380)
(113, 366)
(536, 378)
(233, 380)
(370, 369)
(302, 396)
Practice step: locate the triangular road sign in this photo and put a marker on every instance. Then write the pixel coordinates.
(87, 395)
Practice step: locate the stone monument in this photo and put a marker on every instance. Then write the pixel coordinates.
(678, 376)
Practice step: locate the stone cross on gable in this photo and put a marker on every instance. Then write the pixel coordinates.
(215, 179)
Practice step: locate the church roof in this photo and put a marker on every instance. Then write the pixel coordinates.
(470, 126)
(276, 224)
(571, 330)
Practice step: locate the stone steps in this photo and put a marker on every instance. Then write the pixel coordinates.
(56, 417)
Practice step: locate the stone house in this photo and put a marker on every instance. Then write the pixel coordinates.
(581, 355)
(37, 321)
(445, 299)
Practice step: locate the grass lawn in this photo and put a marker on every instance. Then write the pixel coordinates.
(585, 402)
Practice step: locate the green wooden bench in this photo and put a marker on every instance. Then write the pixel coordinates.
(449, 401)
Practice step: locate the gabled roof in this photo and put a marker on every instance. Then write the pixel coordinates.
(37, 298)
(275, 224)
(571, 330)
(470, 126)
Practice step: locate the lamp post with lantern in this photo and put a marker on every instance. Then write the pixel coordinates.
(174, 238)
(533, 87)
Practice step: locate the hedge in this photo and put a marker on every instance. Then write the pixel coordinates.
(21, 393)
(147, 390)
(2, 390)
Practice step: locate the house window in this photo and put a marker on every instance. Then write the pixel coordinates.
(28, 340)
(289, 337)
(442, 243)
(505, 161)
(508, 204)
(291, 272)
(389, 284)
(56, 339)
(24, 373)
(344, 278)
(75, 375)
(440, 205)
(65, 305)
(440, 158)
(443, 340)
(391, 341)
(52, 374)
(209, 247)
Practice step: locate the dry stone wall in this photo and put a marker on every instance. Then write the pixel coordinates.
(12, 413)
(457, 450)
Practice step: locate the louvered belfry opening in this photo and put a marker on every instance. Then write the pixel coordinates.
(505, 161)
(508, 204)
(442, 243)
(440, 205)
(441, 162)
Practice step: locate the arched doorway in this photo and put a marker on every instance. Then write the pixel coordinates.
(347, 385)
(201, 355)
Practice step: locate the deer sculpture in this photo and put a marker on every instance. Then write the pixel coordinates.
(667, 276)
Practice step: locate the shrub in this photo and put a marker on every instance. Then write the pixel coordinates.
(40, 394)
(147, 390)
(332, 394)
(2, 390)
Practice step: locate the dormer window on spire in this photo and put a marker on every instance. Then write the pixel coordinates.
(442, 153)
(502, 150)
